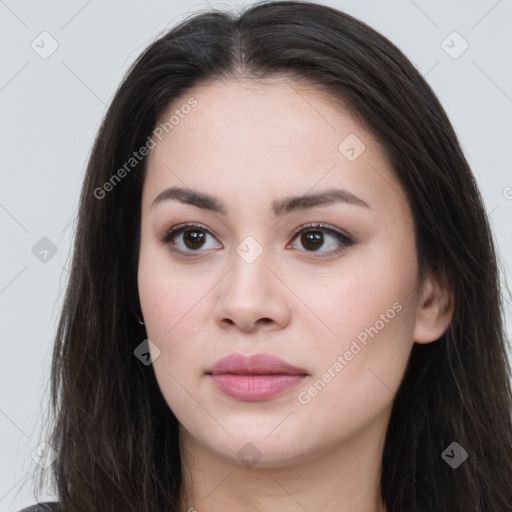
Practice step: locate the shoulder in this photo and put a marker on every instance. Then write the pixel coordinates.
(48, 506)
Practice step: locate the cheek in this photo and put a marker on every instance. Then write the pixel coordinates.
(368, 284)
(175, 306)
(359, 369)
(171, 307)
(173, 314)
(167, 294)
(372, 311)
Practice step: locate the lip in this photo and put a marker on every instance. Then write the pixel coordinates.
(253, 378)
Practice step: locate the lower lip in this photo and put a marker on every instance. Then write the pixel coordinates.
(254, 388)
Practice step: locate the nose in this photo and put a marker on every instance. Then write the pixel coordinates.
(252, 297)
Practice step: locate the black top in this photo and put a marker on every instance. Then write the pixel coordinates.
(47, 506)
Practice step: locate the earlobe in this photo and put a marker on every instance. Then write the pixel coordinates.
(435, 309)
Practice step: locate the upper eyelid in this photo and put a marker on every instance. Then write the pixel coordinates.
(178, 228)
(323, 227)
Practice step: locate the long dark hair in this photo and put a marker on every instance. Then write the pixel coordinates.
(115, 437)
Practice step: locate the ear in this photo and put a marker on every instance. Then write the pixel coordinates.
(435, 309)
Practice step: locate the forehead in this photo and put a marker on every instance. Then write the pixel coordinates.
(274, 111)
(252, 137)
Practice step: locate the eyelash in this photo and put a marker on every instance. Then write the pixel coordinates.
(343, 238)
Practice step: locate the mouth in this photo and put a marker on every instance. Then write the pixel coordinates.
(254, 378)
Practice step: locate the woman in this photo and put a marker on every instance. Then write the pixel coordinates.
(284, 290)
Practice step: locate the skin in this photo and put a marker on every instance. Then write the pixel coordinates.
(249, 143)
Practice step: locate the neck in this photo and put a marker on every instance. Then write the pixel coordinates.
(346, 478)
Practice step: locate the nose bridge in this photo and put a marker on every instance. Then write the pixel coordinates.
(250, 291)
(250, 272)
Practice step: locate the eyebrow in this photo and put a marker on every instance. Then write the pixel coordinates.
(279, 206)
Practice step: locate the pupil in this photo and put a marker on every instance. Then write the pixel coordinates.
(312, 237)
(194, 237)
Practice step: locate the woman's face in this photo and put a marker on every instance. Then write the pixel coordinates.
(338, 303)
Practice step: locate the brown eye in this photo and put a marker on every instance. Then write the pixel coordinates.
(193, 238)
(315, 237)
(312, 240)
(188, 238)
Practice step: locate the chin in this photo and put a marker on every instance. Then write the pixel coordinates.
(254, 450)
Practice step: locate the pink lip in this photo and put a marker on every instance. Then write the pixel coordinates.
(254, 378)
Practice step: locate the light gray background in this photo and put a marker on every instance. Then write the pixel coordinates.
(51, 109)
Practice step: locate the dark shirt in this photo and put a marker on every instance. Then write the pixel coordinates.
(47, 506)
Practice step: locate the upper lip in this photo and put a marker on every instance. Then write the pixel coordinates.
(256, 364)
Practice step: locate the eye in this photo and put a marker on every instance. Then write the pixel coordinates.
(193, 239)
(190, 238)
(313, 237)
